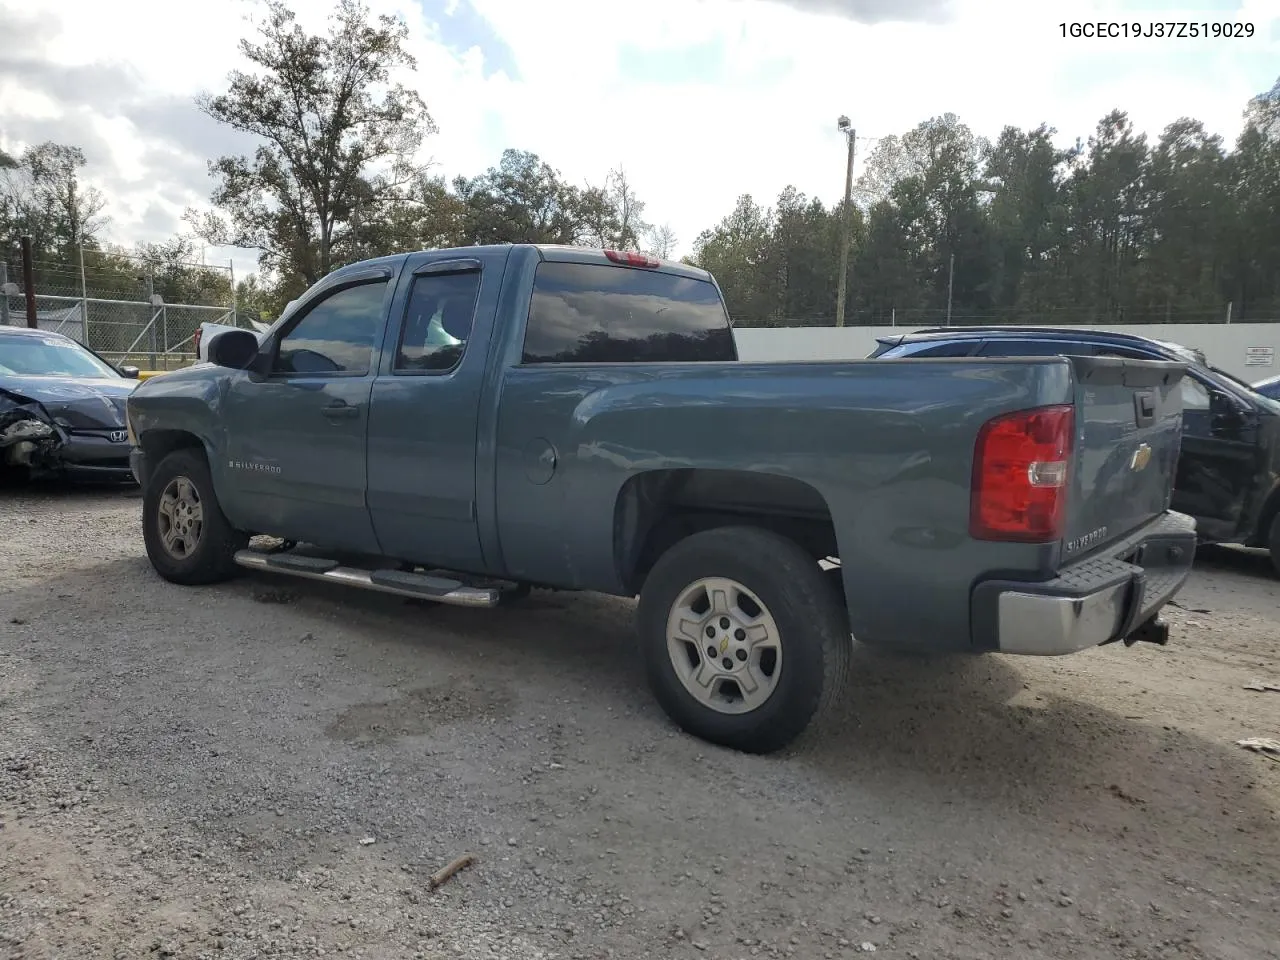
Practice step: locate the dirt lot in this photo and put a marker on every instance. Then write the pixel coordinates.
(272, 769)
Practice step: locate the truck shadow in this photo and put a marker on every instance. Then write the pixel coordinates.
(57, 489)
(955, 729)
(921, 737)
(1254, 563)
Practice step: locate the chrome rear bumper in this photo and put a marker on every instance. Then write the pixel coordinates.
(1101, 600)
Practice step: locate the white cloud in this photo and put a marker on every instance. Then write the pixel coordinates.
(692, 137)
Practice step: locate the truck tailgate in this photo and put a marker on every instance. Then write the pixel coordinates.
(1128, 435)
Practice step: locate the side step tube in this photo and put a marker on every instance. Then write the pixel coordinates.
(420, 586)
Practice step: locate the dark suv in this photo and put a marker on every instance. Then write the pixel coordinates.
(1229, 469)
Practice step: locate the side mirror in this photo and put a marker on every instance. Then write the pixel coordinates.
(1224, 408)
(234, 349)
(1220, 402)
(129, 371)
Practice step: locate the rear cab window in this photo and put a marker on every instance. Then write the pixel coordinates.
(600, 313)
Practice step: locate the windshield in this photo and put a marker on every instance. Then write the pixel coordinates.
(35, 356)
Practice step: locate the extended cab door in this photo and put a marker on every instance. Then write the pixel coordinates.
(425, 408)
(296, 429)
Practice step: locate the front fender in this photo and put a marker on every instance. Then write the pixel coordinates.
(183, 403)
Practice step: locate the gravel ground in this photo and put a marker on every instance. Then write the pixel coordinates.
(271, 769)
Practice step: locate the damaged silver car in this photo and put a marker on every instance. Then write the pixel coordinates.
(62, 408)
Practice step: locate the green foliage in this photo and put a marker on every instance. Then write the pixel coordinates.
(1116, 230)
(338, 140)
(1012, 230)
(42, 196)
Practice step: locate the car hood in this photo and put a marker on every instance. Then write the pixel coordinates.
(76, 404)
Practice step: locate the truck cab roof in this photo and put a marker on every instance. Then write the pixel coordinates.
(554, 252)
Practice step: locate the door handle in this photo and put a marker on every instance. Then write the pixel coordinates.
(340, 408)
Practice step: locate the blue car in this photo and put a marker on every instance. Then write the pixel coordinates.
(62, 408)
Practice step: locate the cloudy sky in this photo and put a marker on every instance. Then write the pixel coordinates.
(700, 100)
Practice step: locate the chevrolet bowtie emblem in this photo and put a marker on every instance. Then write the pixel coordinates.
(1141, 457)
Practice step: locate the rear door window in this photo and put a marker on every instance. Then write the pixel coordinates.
(437, 323)
(596, 313)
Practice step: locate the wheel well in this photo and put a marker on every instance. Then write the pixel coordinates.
(158, 444)
(657, 509)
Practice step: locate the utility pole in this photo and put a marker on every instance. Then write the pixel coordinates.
(951, 279)
(28, 281)
(852, 136)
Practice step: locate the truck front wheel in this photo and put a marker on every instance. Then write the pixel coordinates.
(188, 539)
(745, 641)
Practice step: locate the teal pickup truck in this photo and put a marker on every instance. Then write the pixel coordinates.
(464, 425)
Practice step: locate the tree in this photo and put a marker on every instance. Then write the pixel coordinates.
(1108, 194)
(1024, 171)
(628, 211)
(662, 242)
(42, 196)
(914, 153)
(736, 251)
(930, 181)
(613, 215)
(339, 139)
(525, 200)
(1263, 113)
(803, 263)
(1252, 282)
(886, 266)
(1189, 214)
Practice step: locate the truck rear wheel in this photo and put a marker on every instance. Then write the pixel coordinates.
(188, 539)
(745, 641)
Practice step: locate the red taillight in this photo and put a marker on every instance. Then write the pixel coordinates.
(1020, 466)
(632, 259)
(196, 339)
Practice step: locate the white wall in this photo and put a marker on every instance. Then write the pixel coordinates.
(1225, 344)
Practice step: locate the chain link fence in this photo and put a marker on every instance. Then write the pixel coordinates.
(153, 337)
(120, 316)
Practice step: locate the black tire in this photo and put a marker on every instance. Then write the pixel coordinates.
(212, 559)
(812, 624)
(1273, 543)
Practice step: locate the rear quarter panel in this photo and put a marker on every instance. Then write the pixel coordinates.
(888, 444)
